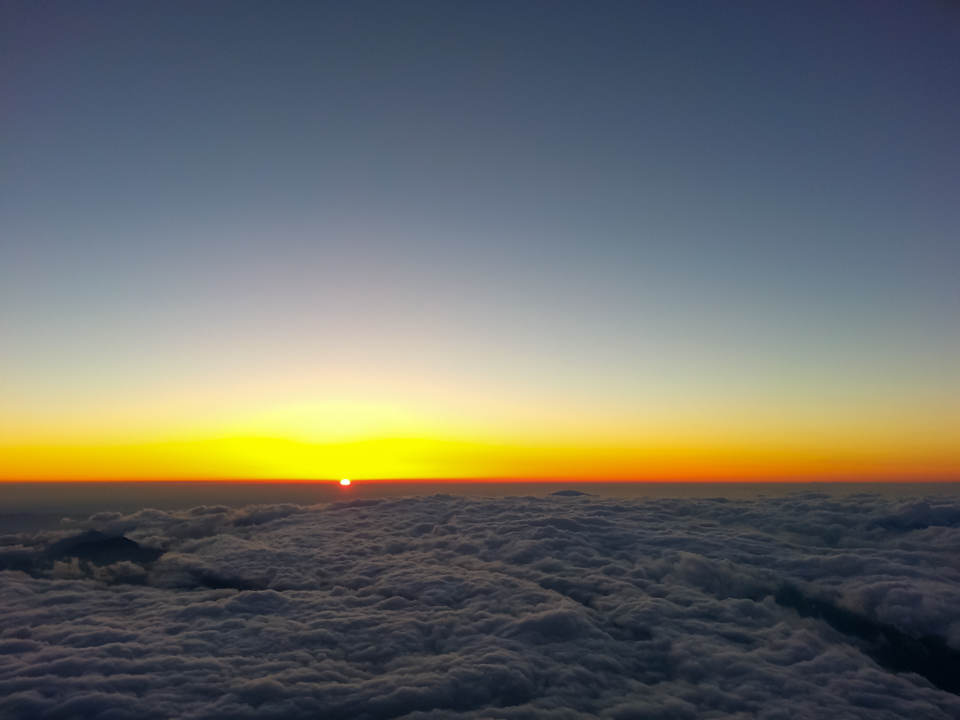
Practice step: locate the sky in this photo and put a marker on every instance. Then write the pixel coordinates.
(613, 241)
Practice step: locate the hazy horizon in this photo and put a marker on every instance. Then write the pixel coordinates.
(79, 499)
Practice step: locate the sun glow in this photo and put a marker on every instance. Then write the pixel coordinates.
(406, 458)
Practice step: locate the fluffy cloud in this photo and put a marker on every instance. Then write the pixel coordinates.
(454, 607)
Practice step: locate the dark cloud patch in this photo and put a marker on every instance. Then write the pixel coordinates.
(806, 606)
(929, 657)
(99, 549)
(921, 515)
(90, 554)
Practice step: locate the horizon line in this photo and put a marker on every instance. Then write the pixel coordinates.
(493, 480)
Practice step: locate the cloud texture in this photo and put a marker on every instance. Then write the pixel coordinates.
(456, 607)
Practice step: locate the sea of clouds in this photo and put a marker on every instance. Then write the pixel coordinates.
(556, 607)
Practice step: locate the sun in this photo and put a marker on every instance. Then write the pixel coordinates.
(344, 482)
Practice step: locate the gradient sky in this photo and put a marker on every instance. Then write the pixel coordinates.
(619, 240)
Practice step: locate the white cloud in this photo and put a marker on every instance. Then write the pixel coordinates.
(452, 607)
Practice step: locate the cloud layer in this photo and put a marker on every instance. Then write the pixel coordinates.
(454, 607)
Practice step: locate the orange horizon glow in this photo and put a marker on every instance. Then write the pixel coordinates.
(420, 460)
(502, 480)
